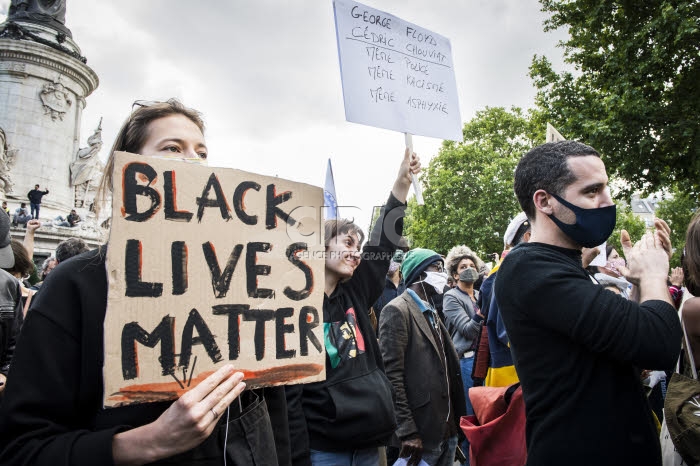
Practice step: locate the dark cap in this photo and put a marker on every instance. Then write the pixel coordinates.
(7, 257)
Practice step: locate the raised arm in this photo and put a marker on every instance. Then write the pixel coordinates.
(28, 242)
(409, 165)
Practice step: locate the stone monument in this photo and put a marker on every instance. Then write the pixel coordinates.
(44, 81)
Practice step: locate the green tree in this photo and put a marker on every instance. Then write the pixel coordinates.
(468, 186)
(626, 220)
(677, 209)
(634, 94)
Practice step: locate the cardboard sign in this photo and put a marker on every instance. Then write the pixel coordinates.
(396, 75)
(553, 135)
(208, 266)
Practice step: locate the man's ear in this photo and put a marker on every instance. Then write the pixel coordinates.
(542, 202)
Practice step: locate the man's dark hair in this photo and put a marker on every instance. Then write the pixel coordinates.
(546, 167)
(69, 248)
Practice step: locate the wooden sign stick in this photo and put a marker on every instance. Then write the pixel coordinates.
(416, 185)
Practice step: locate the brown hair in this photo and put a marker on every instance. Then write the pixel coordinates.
(133, 135)
(341, 226)
(457, 254)
(23, 263)
(691, 259)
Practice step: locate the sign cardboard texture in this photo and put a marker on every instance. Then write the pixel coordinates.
(208, 266)
(395, 74)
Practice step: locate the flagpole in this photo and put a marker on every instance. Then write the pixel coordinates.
(416, 185)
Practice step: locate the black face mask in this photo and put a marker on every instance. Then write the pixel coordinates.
(592, 227)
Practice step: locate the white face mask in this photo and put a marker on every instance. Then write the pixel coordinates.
(438, 280)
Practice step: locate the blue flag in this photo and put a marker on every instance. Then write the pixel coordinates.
(329, 198)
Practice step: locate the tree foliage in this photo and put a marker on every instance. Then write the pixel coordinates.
(677, 209)
(468, 187)
(634, 94)
(626, 220)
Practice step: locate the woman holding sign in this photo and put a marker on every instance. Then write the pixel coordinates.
(52, 412)
(343, 420)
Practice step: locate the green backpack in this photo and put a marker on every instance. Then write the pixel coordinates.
(682, 409)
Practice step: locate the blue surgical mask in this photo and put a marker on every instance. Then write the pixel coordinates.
(592, 227)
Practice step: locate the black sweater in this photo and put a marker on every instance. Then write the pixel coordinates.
(577, 349)
(52, 410)
(353, 408)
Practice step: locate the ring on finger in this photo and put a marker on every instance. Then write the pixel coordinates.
(213, 411)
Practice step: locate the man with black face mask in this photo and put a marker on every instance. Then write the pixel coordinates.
(422, 365)
(576, 345)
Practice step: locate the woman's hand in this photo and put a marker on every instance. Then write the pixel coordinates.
(184, 425)
(676, 278)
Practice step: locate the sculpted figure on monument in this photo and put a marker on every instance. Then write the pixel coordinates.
(6, 158)
(42, 11)
(86, 169)
(51, 13)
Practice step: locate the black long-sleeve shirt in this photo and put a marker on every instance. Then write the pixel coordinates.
(577, 349)
(52, 410)
(353, 407)
(35, 195)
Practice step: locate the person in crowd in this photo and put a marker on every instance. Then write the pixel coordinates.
(576, 346)
(484, 272)
(23, 262)
(23, 268)
(5, 208)
(393, 284)
(691, 307)
(61, 419)
(501, 370)
(346, 418)
(463, 317)
(422, 365)
(34, 197)
(10, 303)
(675, 286)
(46, 267)
(71, 221)
(610, 273)
(69, 248)
(21, 216)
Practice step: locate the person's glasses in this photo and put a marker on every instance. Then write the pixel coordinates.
(436, 267)
(144, 103)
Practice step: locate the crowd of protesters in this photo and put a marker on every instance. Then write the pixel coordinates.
(413, 339)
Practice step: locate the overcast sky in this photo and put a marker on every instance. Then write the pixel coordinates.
(265, 75)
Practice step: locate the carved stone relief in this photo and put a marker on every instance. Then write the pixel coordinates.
(56, 99)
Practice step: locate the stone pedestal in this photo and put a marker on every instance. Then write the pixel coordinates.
(43, 85)
(48, 236)
(42, 95)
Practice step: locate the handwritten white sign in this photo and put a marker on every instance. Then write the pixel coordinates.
(396, 75)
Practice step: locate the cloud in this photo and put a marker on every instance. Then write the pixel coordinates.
(266, 76)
